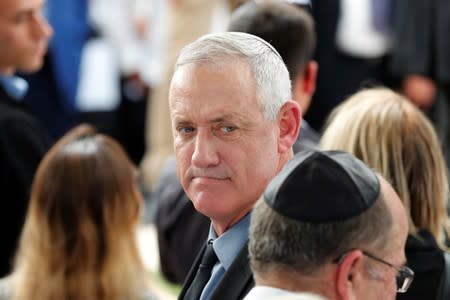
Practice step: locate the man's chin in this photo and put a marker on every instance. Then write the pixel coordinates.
(206, 201)
(31, 67)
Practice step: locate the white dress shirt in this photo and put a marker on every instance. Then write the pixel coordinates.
(271, 293)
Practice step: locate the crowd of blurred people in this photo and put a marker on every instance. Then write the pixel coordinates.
(186, 110)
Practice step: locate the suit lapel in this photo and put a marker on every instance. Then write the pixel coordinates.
(190, 277)
(237, 281)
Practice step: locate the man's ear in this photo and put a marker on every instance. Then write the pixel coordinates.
(304, 85)
(350, 276)
(289, 119)
(310, 77)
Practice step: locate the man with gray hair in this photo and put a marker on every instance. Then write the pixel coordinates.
(234, 125)
(327, 227)
(290, 30)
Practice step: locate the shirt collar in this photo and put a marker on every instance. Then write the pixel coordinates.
(15, 87)
(230, 243)
(305, 4)
(268, 292)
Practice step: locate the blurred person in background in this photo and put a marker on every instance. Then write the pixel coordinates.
(53, 89)
(420, 60)
(187, 20)
(290, 30)
(79, 238)
(136, 33)
(392, 136)
(79, 81)
(353, 40)
(24, 36)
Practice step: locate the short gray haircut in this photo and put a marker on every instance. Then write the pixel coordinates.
(280, 243)
(269, 71)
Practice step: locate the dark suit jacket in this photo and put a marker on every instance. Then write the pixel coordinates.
(421, 47)
(426, 259)
(307, 139)
(182, 231)
(332, 88)
(235, 283)
(23, 142)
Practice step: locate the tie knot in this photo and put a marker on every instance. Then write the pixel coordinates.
(209, 257)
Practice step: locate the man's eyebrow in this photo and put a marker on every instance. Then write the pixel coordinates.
(39, 6)
(28, 11)
(182, 122)
(223, 118)
(238, 118)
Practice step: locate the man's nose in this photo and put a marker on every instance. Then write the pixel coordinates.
(42, 27)
(205, 150)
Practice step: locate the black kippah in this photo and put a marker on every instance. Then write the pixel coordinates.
(323, 186)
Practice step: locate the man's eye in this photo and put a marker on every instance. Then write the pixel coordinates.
(23, 17)
(20, 18)
(228, 129)
(186, 129)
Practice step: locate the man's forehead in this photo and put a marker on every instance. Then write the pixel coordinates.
(213, 87)
(216, 60)
(218, 65)
(8, 7)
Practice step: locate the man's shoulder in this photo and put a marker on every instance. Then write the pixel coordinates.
(21, 135)
(15, 119)
(11, 111)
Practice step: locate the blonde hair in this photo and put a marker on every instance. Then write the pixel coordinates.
(79, 238)
(392, 136)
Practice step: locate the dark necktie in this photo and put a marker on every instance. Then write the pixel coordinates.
(209, 259)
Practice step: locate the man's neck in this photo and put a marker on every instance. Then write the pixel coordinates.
(319, 283)
(221, 226)
(230, 243)
(6, 71)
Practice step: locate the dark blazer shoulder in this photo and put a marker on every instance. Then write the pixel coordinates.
(21, 133)
(23, 143)
(426, 259)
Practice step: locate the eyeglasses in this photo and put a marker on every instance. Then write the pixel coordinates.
(403, 277)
